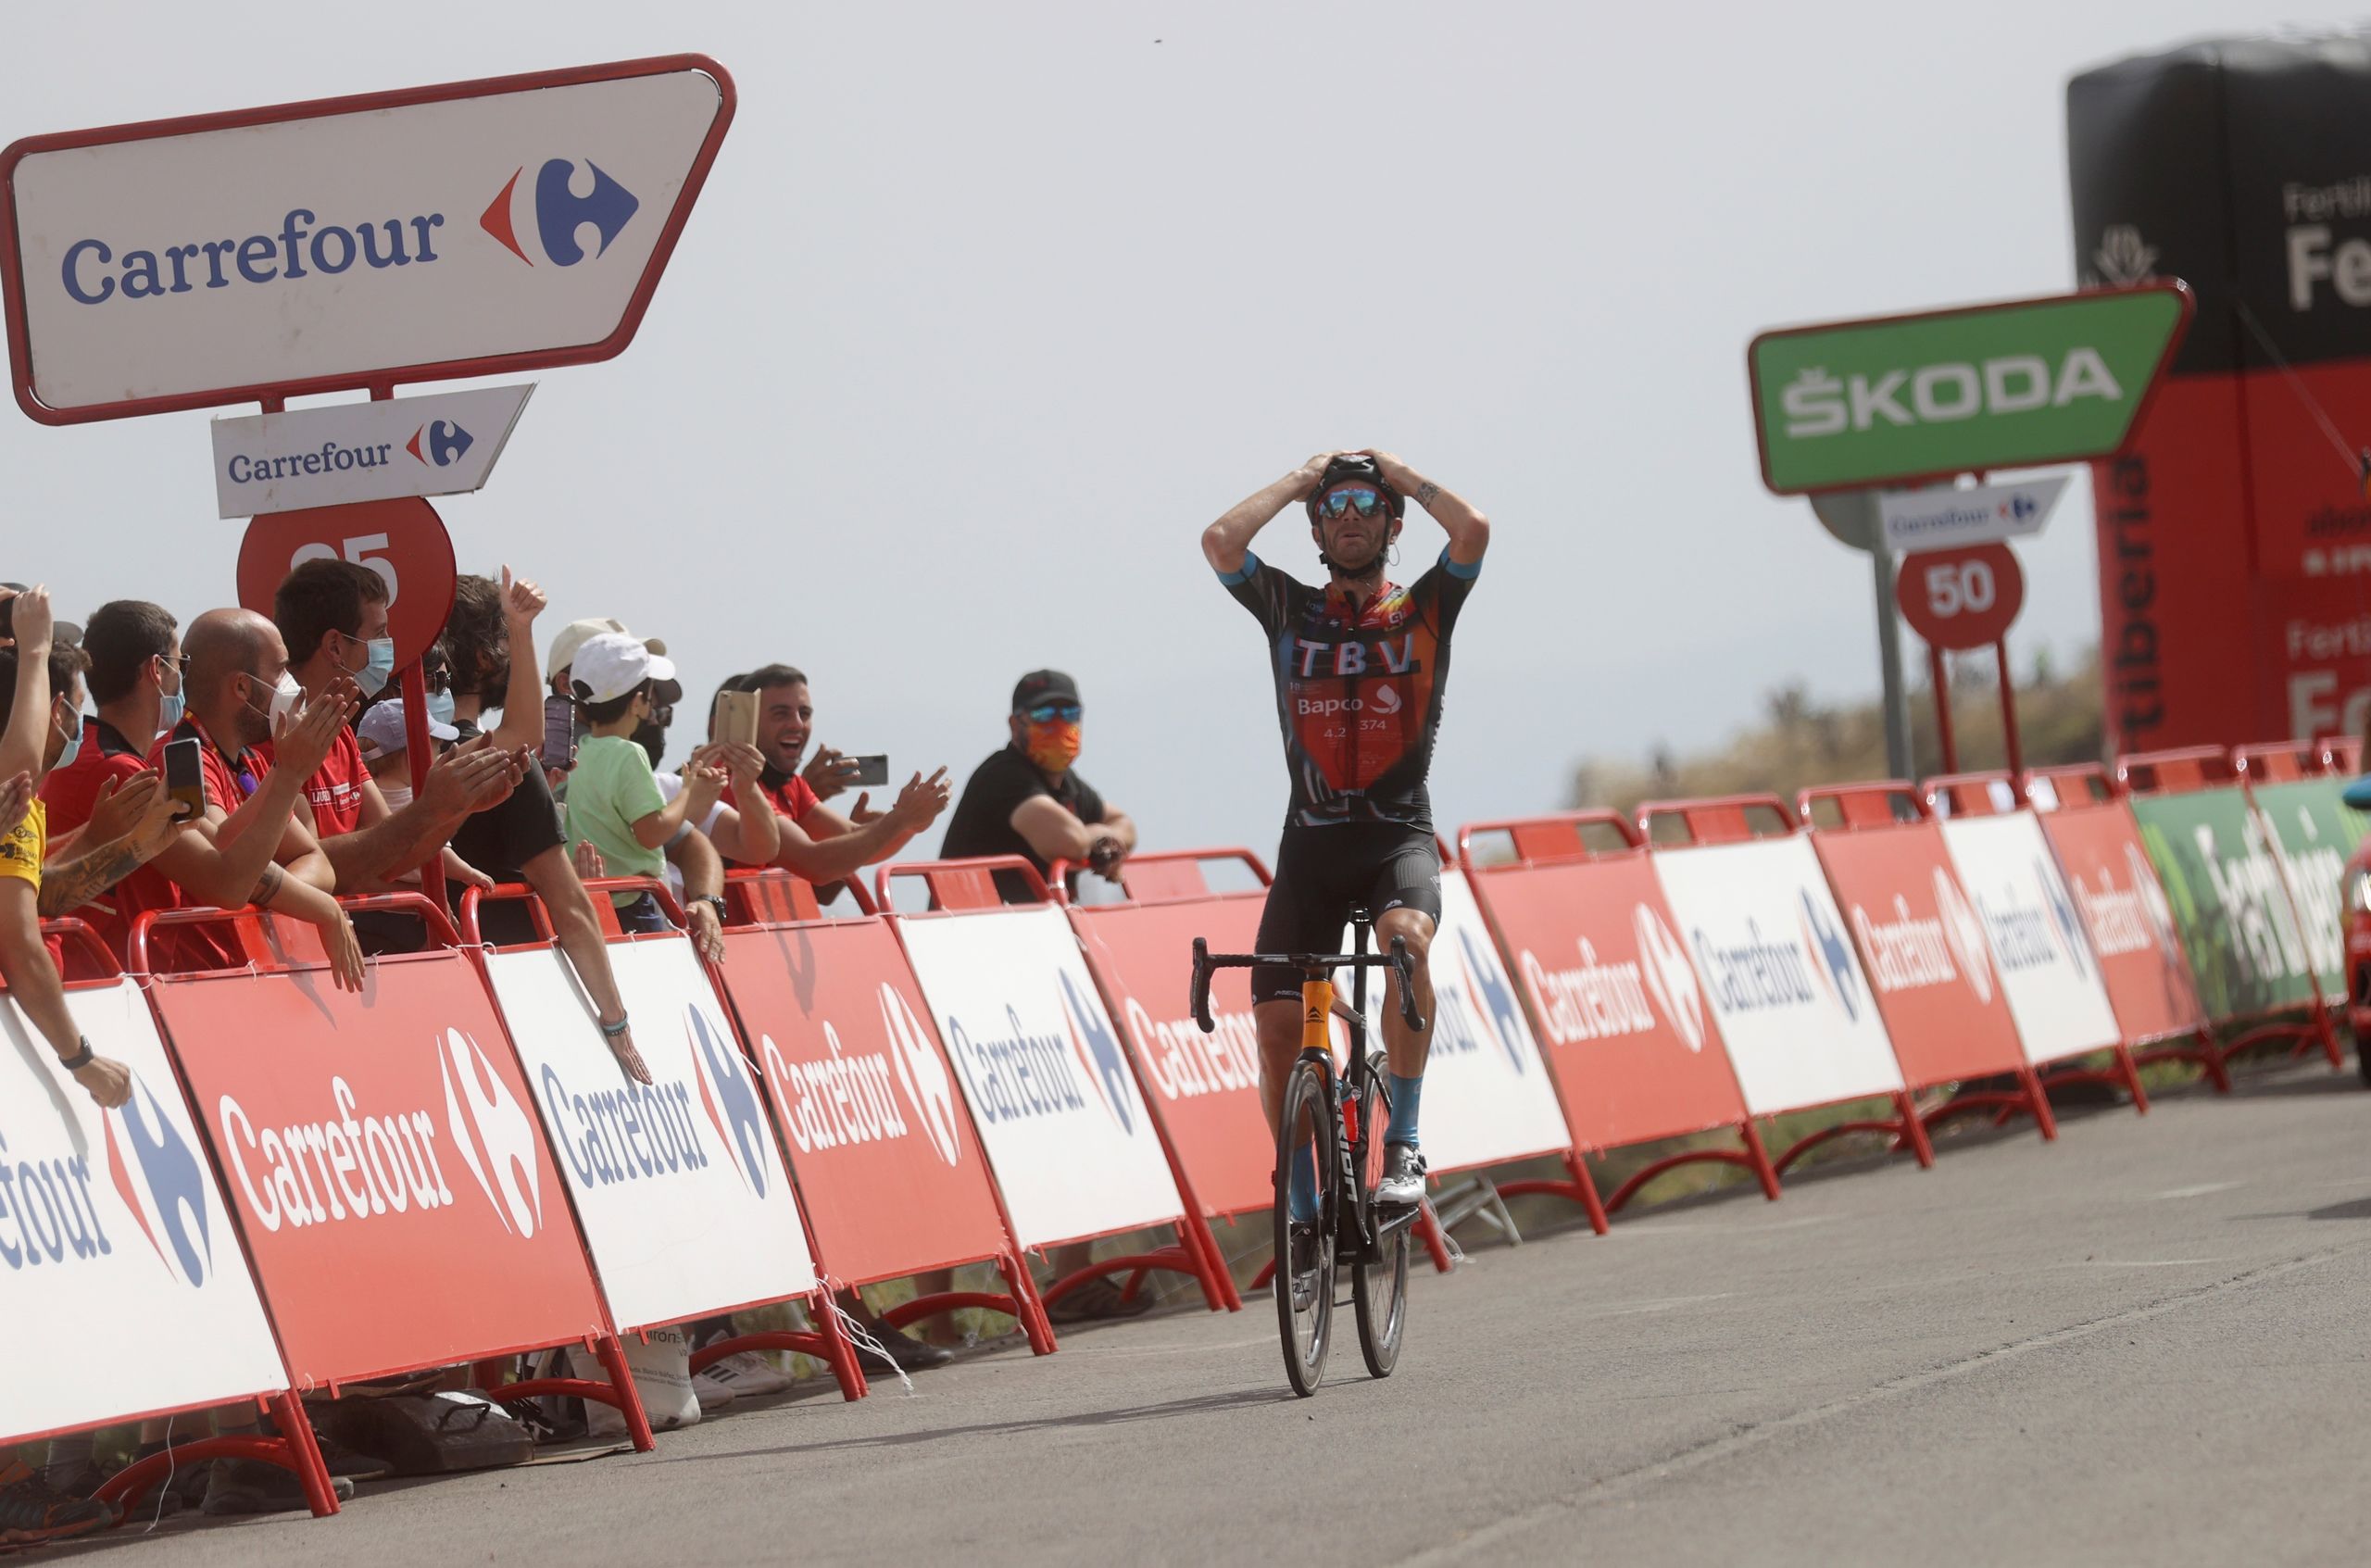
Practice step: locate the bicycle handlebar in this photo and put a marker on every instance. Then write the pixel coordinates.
(1205, 964)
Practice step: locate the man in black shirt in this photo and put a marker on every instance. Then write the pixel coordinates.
(1027, 800)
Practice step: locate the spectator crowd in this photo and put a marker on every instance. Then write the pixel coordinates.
(266, 762)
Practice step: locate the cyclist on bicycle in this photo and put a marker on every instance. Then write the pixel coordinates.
(1360, 665)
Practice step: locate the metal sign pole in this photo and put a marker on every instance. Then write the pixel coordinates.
(1896, 693)
(2009, 718)
(1940, 675)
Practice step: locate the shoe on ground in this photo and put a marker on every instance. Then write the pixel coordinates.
(1097, 1301)
(160, 1502)
(255, 1485)
(32, 1511)
(1302, 1266)
(713, 1393)
(906, 1352)
(1403, 1177)
(351, 1463)
(748, 1375)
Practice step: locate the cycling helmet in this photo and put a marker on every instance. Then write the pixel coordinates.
(1354, 466)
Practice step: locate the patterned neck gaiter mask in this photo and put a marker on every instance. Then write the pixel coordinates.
(1053, 744)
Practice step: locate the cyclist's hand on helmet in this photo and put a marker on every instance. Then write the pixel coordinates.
(1396, 474)
(1309, 472)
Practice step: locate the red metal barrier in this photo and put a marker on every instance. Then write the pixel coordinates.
(1737, 819)
(1923, 948)
(2181, 771)
(398, 1199)
(894, 1181)
(1635, 1056)
(1009, 978)
(2281, 762)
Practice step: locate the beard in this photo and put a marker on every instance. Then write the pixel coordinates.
(1371, 567)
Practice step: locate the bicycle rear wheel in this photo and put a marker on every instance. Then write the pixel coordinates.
(1305, 1296)
(1379, 1289)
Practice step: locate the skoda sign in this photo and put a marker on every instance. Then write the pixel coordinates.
(349, 243)
(1852, 404)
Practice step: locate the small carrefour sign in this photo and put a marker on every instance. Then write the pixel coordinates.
(465, 229)
(1936, 520)
(2022, 384)
(444, 445)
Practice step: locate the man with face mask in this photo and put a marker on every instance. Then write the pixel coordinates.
(248, 845)
(1028, 801)
(333, 618)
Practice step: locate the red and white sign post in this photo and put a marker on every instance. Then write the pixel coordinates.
(1961, 599)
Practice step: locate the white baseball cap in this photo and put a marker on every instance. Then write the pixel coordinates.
(609, 666)
(574, 635)
(379, 733)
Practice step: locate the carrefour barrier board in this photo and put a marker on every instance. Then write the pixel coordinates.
(2039, 946)
(1487, 1094)
(113, 1236)
(678, 1182)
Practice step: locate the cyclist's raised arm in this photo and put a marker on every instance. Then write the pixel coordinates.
(1468, 529)
(1225, 542)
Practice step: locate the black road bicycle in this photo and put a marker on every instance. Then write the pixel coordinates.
(1334, 1125)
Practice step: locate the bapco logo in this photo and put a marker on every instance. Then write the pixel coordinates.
(1386, 701)
(1965, 934)
(555, 212)
(494, 1134)
(1099, 1052)
(2061, 915)
(1831, 958)
(729, 1098)
(162, 1183)
(921, 1073)
(1671, 979)
(1492, 998)
(439, 444)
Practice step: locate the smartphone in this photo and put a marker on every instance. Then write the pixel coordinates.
(184, 777)
(871, 773)
(559, 733)
(736, 718)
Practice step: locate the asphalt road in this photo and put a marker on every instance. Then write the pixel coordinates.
(2146, 1343)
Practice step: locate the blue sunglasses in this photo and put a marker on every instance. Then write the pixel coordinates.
(1340, 500)
(1046, 712)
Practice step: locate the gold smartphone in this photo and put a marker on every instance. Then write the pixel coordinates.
(185, 777)
(736, 718)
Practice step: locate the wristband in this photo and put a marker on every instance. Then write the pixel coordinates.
(714, 900)
(80, 1059)
(611, 1031)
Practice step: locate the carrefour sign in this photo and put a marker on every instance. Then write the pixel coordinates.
(350, 242)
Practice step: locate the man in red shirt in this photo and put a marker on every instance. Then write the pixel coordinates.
(817, 842)
(333, 618)
(247, 847)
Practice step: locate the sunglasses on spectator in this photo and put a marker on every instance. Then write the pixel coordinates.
(1362, 496)
(1046, 712)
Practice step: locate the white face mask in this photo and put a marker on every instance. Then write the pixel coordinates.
(397, 795)
(284, 697)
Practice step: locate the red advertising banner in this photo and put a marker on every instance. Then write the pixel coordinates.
(880, 1141)
(1923, 947)
(1205, 1088)
(383, 1154)
(2131, 924)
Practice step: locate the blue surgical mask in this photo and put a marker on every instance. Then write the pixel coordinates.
(73, 746)
(171, 707)
(373, 676)
(440, 707)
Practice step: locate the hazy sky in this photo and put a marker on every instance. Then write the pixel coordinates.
(986, 310)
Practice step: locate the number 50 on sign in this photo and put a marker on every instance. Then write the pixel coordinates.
(1962, 598)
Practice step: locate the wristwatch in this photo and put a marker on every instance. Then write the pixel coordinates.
(80, 1059)
(717, 902)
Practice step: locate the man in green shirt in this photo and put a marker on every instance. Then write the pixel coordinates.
(613, 801)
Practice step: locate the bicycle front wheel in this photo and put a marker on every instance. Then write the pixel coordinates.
(1304, 1279)
(1379, 1287)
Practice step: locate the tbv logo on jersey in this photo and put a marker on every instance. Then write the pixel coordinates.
(1458, 1030)
(845, 1100)
(94, 271)
(350, 1167)
(1757, 974)
(1597, 1000)
(1906, 952)
(439, 444)
(46, 1215)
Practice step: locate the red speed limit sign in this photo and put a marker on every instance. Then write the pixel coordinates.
(404, 541)
(1962, 598)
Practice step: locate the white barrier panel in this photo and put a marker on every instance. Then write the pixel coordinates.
(2039, 946)
(1067, 1133)
(1488, 1098)
(679, 1184)
(114, 1238)
(1765, 934)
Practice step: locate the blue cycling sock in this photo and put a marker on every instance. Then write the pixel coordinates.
(1407, 1093)
(1301, 1191)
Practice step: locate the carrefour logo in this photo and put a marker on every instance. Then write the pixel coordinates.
(162, 1182)
(1833, 957)
(2061, 915)
(1483, 1005)
(556, 213)
(842, 1098)
(493, 1135)
(1099, 1052)
(727, 1097)
(921, 1073)
(1670, 979)
(46, 1215)
(1965, 934)
(439, 444)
